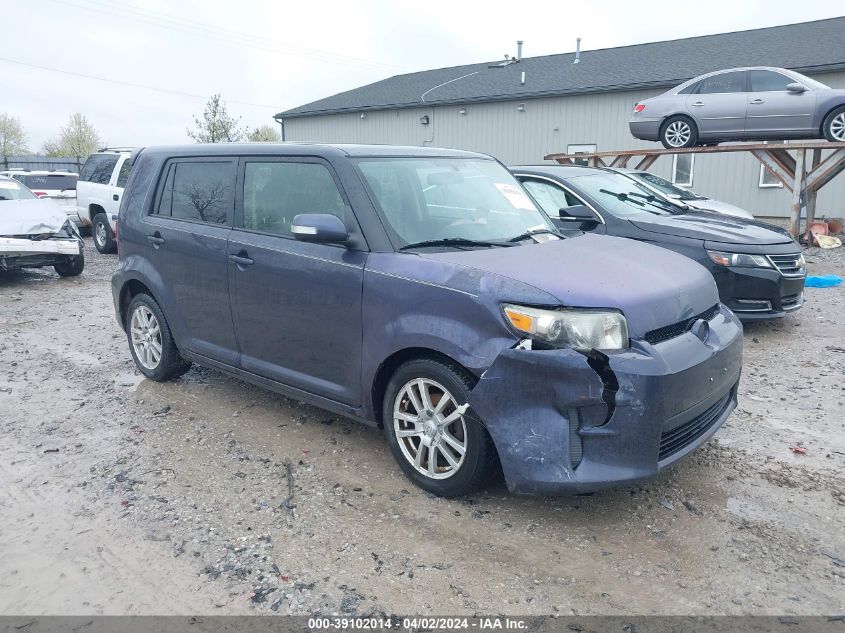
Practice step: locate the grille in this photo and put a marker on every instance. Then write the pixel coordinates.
(676, 329)
(788, 265)
(675, 439)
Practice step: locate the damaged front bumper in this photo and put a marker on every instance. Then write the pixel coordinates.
(19, 252)
(566, 422)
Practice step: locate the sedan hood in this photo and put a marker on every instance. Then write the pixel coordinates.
(711, 227)
(717, 206)
(652, 286)
(30, 217)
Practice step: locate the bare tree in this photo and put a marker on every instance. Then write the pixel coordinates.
(78, 139)
(265, 134)
(215, 125)
(12, 137)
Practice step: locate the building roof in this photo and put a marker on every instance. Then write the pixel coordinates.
(808, 47)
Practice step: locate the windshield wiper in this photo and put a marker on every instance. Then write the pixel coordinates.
(527, 234)
(661, 204)
(629, 197)
(452, 241)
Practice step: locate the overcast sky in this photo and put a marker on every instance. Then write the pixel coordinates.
(265, 56)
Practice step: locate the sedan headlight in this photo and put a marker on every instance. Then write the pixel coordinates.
(581, 330)
(738, 259)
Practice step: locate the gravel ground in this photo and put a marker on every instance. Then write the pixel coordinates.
(208, 495)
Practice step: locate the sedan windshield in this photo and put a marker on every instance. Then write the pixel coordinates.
(451, 202)
(621, 196)
(665, 187)
(11, 190)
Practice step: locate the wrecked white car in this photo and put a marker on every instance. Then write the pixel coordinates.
(35, 232)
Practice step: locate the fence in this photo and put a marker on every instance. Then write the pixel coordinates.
(48, 163)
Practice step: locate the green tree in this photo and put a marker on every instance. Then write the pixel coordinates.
(12, 137)
(265, 134)
(78, 139)
(215, 125)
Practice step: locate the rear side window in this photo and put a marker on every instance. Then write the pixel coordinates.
(723, 83)
(98, 168)
(59, 182)
(198, 191)
(689, 89)
(276, 192)
(123, 176)
(768, 81)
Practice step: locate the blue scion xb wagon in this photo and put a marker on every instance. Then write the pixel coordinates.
(423, 291)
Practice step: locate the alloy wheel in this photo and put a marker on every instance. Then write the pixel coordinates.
(145, 331)
(837, 127)
(100, 234)
(430, 428)
(678, 133)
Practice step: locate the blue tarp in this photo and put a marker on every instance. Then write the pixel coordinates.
(822, 281)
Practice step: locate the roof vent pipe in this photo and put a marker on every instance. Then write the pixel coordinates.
(518, 50)
(577, 51)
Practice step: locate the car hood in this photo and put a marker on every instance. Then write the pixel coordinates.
(30, 217)
(717, 206)
(652, 286)
(711, 227)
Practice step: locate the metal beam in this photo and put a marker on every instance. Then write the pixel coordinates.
(776, 167)
(796, 192)
(823, 173)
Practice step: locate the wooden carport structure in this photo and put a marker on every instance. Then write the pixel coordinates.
(799, 166)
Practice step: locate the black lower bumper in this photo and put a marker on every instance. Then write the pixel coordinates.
(563, 422)
(759, 293)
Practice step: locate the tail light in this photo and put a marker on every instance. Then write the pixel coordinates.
(40, 194)
(639, 107)
(116, 242)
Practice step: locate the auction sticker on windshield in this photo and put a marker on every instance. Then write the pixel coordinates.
(515, 196)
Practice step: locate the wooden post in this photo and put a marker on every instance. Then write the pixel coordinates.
(796, 193)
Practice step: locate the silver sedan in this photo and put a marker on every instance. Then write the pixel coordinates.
(742, 104)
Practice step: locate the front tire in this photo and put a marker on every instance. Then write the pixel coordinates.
(150, 341)
(102, 234)
(678, 131)
(438, 442)
(834, 125)
(72, 266)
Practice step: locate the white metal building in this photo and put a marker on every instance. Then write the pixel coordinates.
(524, 109)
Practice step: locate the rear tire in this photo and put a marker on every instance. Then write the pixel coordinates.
(833, 127)
(463, 454)
(72, 266)
(150, 341)
(102, 234)
(678, 131)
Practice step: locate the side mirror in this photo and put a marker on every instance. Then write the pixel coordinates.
(319, 227)
(576, 212)
(795, 87)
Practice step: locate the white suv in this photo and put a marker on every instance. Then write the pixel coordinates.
(99, 191)
(59, 186)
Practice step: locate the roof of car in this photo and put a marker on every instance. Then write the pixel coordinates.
(41, 172)
(308, 149)
(809, 47)
(558, 171)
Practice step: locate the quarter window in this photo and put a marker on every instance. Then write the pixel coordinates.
(98, 168)
(722, 83)
(123, 176)
(198, 191)
(276, 192)
(768, 81)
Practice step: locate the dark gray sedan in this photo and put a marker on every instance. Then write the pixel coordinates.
(741, 104)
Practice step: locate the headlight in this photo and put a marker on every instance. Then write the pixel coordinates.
(581, 330)
(738, 259)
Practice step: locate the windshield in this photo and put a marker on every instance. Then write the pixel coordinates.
(665, 187)
(620, 195)
(11, 190)
(811, 83)
(58, 182)
(425, 199)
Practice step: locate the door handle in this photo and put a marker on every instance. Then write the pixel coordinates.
(698, 103)
(115, 197)
(241, 260)
(756, 101)
(155, 239)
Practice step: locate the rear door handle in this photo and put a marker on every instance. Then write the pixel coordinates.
(115, 197)
(241, 260)
(757, 101)
(698, 103)
(155, 239)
